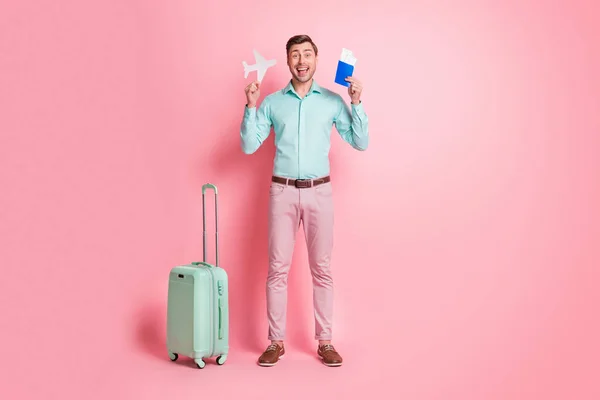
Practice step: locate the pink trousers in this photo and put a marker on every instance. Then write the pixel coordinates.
(288, 207)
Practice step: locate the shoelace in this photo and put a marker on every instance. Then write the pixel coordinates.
(327, 347)
(272, 347)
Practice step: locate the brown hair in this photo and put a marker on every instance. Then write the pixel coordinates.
(299, 39)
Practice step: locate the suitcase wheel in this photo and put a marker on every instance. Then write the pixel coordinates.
(200, 363)
(173, 356)
(221, 359)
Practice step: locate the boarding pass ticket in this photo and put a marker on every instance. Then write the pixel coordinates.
(348, 57)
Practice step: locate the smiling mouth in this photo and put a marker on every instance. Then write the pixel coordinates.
(302, 70)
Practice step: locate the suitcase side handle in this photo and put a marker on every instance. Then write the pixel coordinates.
(204, 188)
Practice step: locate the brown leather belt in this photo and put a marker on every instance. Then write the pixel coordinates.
(301, 183)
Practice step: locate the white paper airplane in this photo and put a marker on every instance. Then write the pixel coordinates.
(260, 67)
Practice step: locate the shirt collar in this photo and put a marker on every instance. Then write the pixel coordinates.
(313, 88)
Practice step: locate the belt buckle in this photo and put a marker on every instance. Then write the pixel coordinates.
(303, 183)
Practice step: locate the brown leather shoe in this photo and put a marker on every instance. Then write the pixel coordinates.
(272, 354)
(330, 357)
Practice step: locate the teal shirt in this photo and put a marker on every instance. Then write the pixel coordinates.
(302, 129)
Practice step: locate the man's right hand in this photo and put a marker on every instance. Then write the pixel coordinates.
(252, 93)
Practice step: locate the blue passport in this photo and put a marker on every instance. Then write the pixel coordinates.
(343, 71)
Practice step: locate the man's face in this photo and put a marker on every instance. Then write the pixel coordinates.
(302, 61)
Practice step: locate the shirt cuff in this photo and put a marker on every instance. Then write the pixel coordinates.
(249, 111)
(358, 108)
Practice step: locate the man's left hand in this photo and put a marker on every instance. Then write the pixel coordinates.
(354, 90)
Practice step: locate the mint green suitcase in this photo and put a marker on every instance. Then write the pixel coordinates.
(198, 305)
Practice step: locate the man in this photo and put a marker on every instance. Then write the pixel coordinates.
(302, 115)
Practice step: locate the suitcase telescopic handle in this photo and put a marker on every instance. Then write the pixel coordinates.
(204, 188)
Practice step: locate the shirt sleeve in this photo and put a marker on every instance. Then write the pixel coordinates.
(352, 124)
(256, 126)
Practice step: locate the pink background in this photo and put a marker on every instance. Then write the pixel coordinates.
(476, 277)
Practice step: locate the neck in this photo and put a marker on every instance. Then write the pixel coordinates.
(302, 87)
